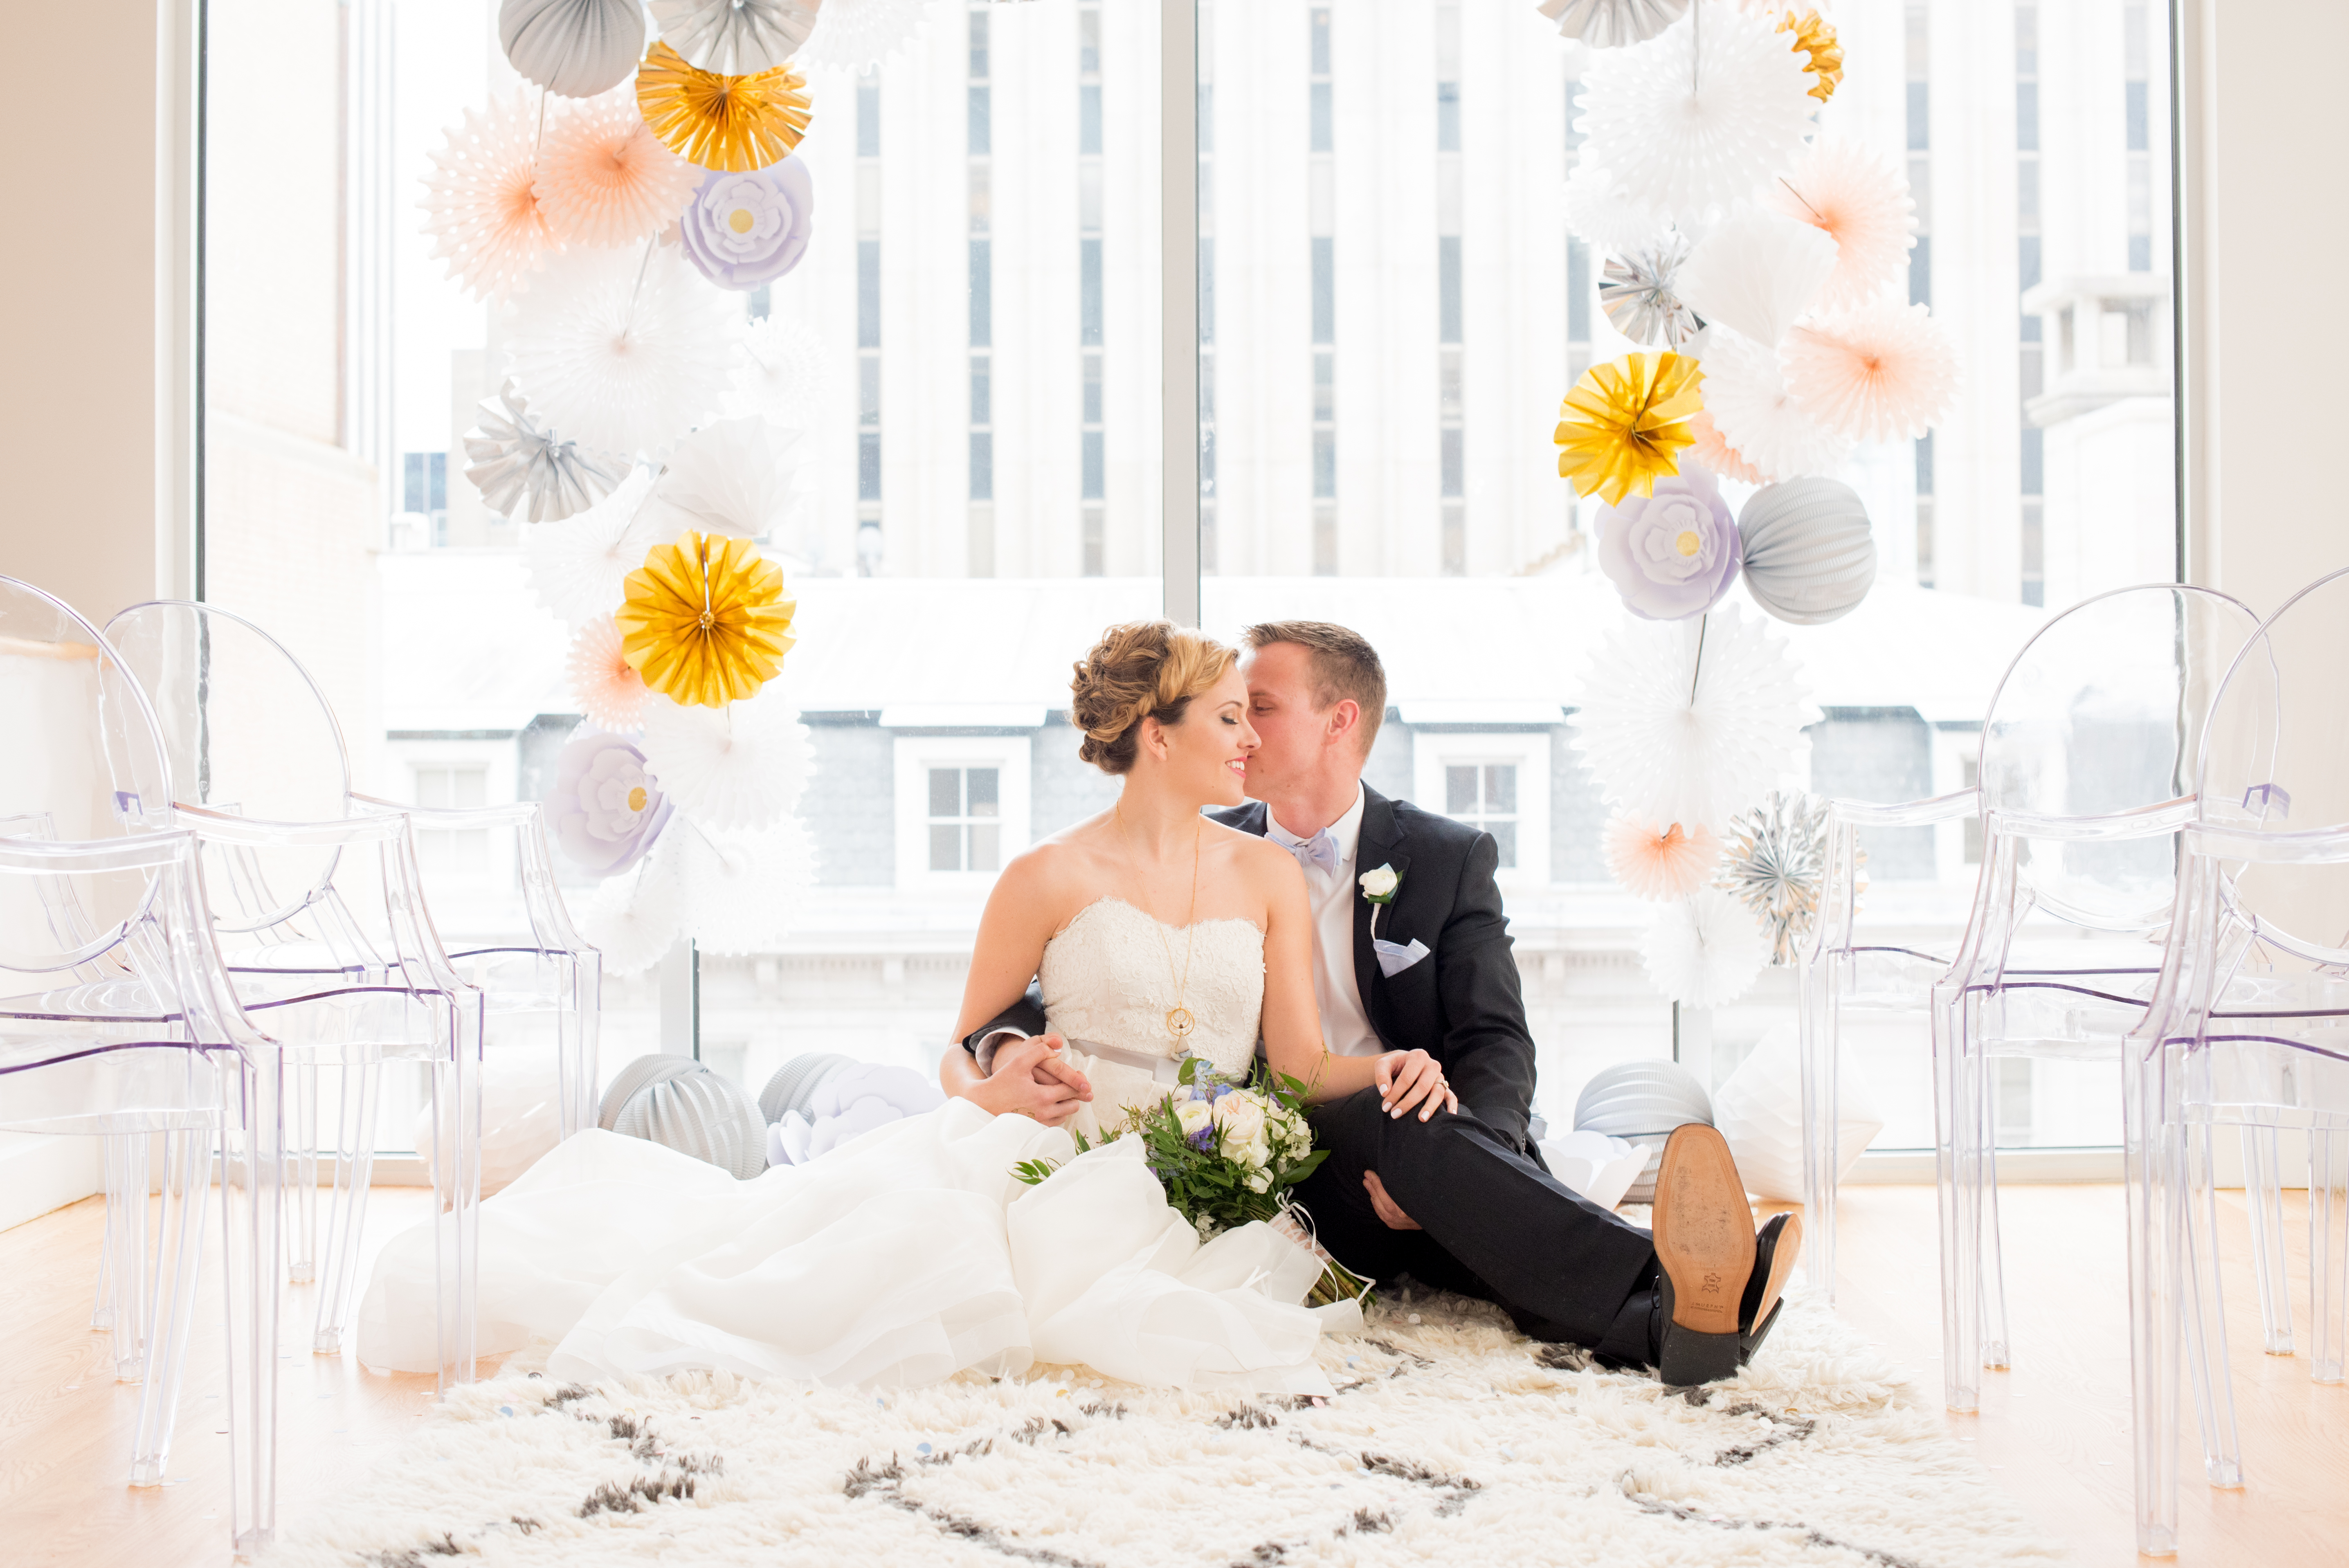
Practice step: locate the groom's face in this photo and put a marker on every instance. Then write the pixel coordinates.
(1298, 746)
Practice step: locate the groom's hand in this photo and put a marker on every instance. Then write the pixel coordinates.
(1391, 1216)
(1032, 1077)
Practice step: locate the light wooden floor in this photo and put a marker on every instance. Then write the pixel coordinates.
(2055, 1430)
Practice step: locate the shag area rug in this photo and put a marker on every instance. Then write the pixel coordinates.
(1451, 1440)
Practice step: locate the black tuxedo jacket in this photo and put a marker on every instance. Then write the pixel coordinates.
(1461, 1003)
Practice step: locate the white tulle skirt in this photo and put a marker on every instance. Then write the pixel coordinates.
(902, 1257)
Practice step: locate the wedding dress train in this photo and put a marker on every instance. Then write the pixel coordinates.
(912, 1252)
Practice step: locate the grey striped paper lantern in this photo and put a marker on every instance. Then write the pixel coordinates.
(1641, 1102)
(677, 1103)
(794, 1084)
(1809, 556)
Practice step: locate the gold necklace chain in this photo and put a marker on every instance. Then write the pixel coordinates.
(1179, 1021)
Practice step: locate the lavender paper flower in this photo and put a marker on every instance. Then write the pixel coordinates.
(607, 809)
(1674, 553)
(746, 229)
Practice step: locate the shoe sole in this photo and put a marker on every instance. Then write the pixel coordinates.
(1782, 1268)
(1704, 1247)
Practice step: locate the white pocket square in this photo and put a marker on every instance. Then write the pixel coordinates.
(1394, 957)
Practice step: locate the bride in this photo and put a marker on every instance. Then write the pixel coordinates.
(912, 1252)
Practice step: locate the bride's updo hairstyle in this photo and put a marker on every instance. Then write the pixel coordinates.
(1142, 669)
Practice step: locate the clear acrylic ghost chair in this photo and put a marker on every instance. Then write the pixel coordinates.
(2248, 1026)
(249, 729)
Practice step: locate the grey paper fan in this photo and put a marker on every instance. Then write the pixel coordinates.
(1637, 292)
(1612, 24)
(680, 1104)
(734, 37)
(517, 465)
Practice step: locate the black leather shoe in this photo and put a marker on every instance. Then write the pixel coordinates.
(1775, 1250)
(1704, 1256)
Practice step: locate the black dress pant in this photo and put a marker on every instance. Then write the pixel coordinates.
(1494, 1225)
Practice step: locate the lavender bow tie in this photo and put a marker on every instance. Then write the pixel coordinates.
(1320, 850)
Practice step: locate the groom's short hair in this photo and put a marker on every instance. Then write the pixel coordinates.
(1343, 663)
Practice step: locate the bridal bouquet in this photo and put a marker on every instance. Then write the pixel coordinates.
(1228, 1151)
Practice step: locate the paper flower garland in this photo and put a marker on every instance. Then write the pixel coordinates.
(625, 350)
(514, 462)
(1673, 553)
(604, 179)
(1775, 864)
(705, 620)
(746, 229)
(481, 206)
(781, 373)
(1703, 951)
(734, 477)
(1698, 118)
(742, 766)
(735, 37)
(1748, 400)
(605, 809)
(574, 48)
(1756, 272)
(1605, 213)
(1816, 37)
(1610, 24)
(1655, 750)
(1659, 863)
(1860, 202)
(579, 567)
(1881, 373)
(1809, 555)
(855, 34)
(1637, 293)
(1718, 455)
(609, 692)
(722, 122)
(1623, 426)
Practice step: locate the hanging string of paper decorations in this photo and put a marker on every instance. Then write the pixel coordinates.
(1759, 259)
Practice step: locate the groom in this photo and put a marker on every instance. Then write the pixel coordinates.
(1460, 1200)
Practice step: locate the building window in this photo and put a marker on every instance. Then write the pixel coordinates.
(2137, 111)
(1452, 525)
(1920, 258)
(453, 851)
(868, 327)
(2030, 361)
(1484, 795)
(1092, 439)
(966, 820)
(1322, 250)
(979, 140)
(1498, 782)
(962, 807)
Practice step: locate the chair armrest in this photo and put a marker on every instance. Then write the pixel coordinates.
(2233, 842)
(522, 813)
(2136, 822)
(228, 827)
(140, 851)
(1907, 813)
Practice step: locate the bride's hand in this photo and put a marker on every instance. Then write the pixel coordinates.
(1408, 1078)
(1032, 1079)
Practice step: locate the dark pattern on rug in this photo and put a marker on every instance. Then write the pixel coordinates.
(885, 1482)
(1687, 1515)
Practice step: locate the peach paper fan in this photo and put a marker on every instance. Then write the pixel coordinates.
(1746, 393)
(608, 691)
(1884, 372)
(1657, 863)
(481, 205)
(1711, 452)
(604, 179)
(1859, 201)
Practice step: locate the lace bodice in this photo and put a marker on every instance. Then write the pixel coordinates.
(1106, 977)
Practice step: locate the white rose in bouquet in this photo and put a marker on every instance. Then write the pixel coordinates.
(1194, 1115)
(1239, 1118)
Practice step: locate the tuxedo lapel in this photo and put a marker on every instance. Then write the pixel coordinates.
(1380, 844)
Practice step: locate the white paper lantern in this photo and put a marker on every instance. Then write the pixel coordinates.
(1809, 555)
(680, 1104)
(575, 48)
(1641, 1102)
(1759, 1110)
(735, 37)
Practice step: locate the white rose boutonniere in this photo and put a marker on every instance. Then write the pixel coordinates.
(1379, 887)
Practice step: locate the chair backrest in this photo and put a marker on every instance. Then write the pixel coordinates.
(2275, 757)
(84, 760)
(246, 730)
(2101, 712)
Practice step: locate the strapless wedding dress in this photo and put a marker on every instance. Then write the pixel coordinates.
(912, 1252)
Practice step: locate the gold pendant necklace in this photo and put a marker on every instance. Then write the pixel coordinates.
(1179, 1020)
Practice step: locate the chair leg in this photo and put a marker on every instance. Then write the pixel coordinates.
(126, 1226)
(1818, 992)
(457, 1191)
(302, 1131)
(2155, 1219)
(187, 1195)
(1957, 1170)
(2205, 1313)
(1994, 1257)
(587, 1008)
(101, 1310)
(2263, 1195)
(252, 1201)
(2328, 1252)
(346, 1215)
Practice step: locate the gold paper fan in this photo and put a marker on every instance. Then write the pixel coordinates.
(1815, 35)
(705, 620)
(734, 123)
(1625, 423)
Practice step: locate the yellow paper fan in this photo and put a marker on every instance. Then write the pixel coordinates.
(734, 123)
(705, 620)
(1815, 36)
(1625, 423)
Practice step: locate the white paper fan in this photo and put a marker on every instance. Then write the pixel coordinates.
(1703, 951)
(625, 350)
(736, 476)
(1745, 393)
(1697, 136)
(1756, 272)
(1604, 214)
(857, 34)
(1612, 24)
(635, 919)
(576, 567)
(1659, 753)
(741, 766)
(743, 892)
(735, 37)
(782, 372)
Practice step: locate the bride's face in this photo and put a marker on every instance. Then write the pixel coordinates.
(1205, 757)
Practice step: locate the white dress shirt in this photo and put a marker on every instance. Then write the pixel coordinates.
(1345, 1023)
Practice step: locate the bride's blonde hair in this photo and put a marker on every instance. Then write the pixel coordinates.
(1142, 669)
